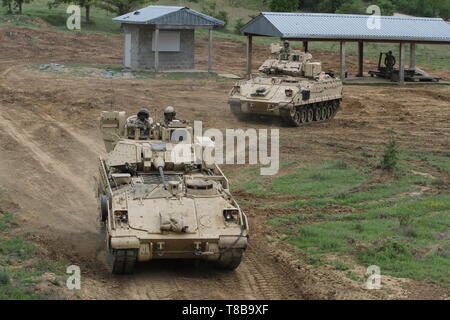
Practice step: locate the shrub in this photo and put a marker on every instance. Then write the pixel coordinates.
(210, 9)
(283, 5)
(390, 156)
(4, 277)
(239, 24)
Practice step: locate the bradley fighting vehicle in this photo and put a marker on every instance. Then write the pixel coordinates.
(289, 86)
(155, 204)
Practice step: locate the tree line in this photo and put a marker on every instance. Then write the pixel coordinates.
(118, 7)
(423, 8)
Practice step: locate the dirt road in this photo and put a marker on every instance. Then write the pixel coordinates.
(50, 142)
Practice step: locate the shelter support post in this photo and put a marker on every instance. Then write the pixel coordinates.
(360, 58)
(305, 46)
(342, 66)
(249, 55)
(412, 56)
(210, 53)
(156, 49)
(401, 71)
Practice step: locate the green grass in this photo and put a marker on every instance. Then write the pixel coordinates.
(380, 238)
(364, 199)
(438, 158)
(353, 276)
(318, 180)
(20, 267)
(307, 181)
(7, 220)
(389, 223)
(401, 259)
(16, 249)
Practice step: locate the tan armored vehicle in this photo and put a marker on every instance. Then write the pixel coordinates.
(289, 86)
(160, 200)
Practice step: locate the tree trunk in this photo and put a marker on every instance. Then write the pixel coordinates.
(88, 13)
(20, 7)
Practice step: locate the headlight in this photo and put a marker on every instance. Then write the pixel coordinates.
(231, 214)
(121, 215)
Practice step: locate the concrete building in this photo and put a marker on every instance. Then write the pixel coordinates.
(162, 37)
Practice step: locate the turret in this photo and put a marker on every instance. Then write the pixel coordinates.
(297, 64)
(169, 147)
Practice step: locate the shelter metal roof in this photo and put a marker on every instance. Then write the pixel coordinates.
(168, 15)
(348, 27)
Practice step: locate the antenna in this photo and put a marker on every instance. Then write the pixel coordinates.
(113, 98)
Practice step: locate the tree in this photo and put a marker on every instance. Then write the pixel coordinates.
(86, 4)
(10, 5)
(283, 5)
(329, 5)
(386, 6)
(120, 7)
(210, 9)
(352, 6)
(390, 156)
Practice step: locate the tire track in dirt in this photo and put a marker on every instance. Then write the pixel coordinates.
(45, 160)
(256, 278)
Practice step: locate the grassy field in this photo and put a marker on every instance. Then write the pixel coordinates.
(400, 222)
(21, 267)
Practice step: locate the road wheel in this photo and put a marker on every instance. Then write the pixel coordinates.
(230, 259)
(317, 112)
(104, 206)
(310, 115)
(324, 111)
(295, 117)
(236, 111)
(122, 261)
(303, 115)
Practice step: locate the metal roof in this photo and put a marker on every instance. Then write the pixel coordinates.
(168, 15)
(347, 27)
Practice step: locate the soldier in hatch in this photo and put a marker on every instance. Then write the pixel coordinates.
(169, 115)
(141, 121)
(285, 51)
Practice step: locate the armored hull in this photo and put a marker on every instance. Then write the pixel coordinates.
(154, 205)
(295, 90)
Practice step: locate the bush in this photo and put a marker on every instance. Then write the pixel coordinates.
(222, 15)
(352, 7)
(239, 24)
(210, 9)
(4, 277)
(390, 156)
(283, 5)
